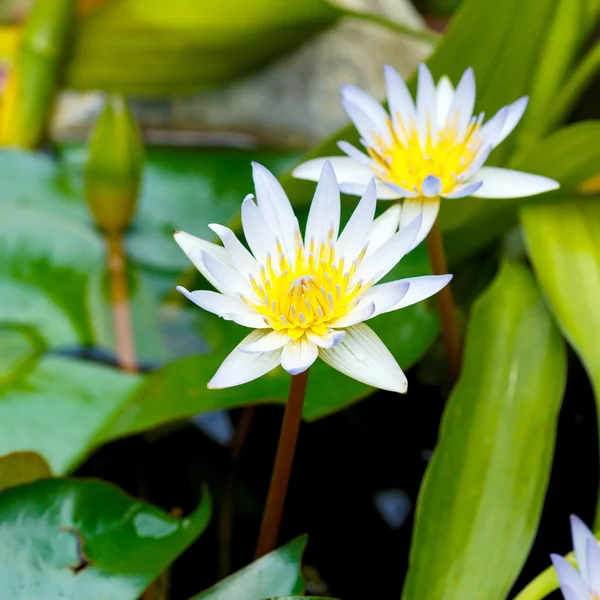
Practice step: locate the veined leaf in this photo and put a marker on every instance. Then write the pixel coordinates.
(488, 476)
(88, 540)
(275, 573)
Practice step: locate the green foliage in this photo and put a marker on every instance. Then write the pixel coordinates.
(275, 573)
(19, 468)
(86, 539)
(487, 479)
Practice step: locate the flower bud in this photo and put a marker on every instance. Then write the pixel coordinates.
(114, 167)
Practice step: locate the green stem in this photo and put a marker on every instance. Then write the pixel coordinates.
(545, 583)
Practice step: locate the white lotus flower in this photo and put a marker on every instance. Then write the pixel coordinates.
(307, 298)
(434, 148)
(582, 584)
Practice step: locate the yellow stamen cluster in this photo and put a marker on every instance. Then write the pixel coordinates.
(408, 164)
(311, 294)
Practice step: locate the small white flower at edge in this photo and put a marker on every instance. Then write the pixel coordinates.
(307, 297)
(427, 149)
(582, 583)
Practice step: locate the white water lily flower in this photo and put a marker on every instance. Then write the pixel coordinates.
(426, 150)
(308, 297)
(582, 583)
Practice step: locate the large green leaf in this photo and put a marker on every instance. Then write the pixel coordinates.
(87, 540)
(483, 492)
(563, 242)
(275, 573)
(58, 406)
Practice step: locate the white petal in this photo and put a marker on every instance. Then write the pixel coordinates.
(346, 170)
(369, 106)
(194, 247)
(364, 357)
(227, 307)
(382, 261)
(324, 213)
(240, 367)
(431, 186)
(383, 228)
(581, 535)
(593, 566)
(275, 208)
(272, 341)
(400, 101)
(428, 209)
(464, 101)
(419, 289)
(242, 260)
(479, 161)
(384, 192)
(444, 98)
(361, 312)
(257, 234)
(386, 295)
(354, 236)
(228, 278)
(504, 183)
(329, 340)
(515, 113)
(369, 128)
(491, 131)
(426, 118)
(463, 190)
(569, 577)
(299, 355)
(355, 154)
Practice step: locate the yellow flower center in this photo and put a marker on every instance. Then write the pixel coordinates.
(310, 295)
(407, 165)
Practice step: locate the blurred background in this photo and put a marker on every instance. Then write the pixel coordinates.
(211, 86)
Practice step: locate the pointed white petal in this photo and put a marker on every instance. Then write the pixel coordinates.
(426, 117)
(504, 183)
(364, 357)
(361, 312)
(431, 186)
(258, 236)
(419, 289)
(444, 98)
(242, 260)
(240, 367)
(228, 278)
(354, 236)
(347, 170)
(383, 228)
(569, 577)
(329, 340)
(299, 355)
(369, 129)
(479, 161)
(386, 296)
(272, 341)
(355, 154)
(463, 190)
(581, 535)
(491, 131)
(464, 101)
(275, 208)
(324, 213)
(382, 261)
(194, 247)
(226, 307)
(384, 192)
(369, 106)
(400, 101)
(428, 209)
(514, 114)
